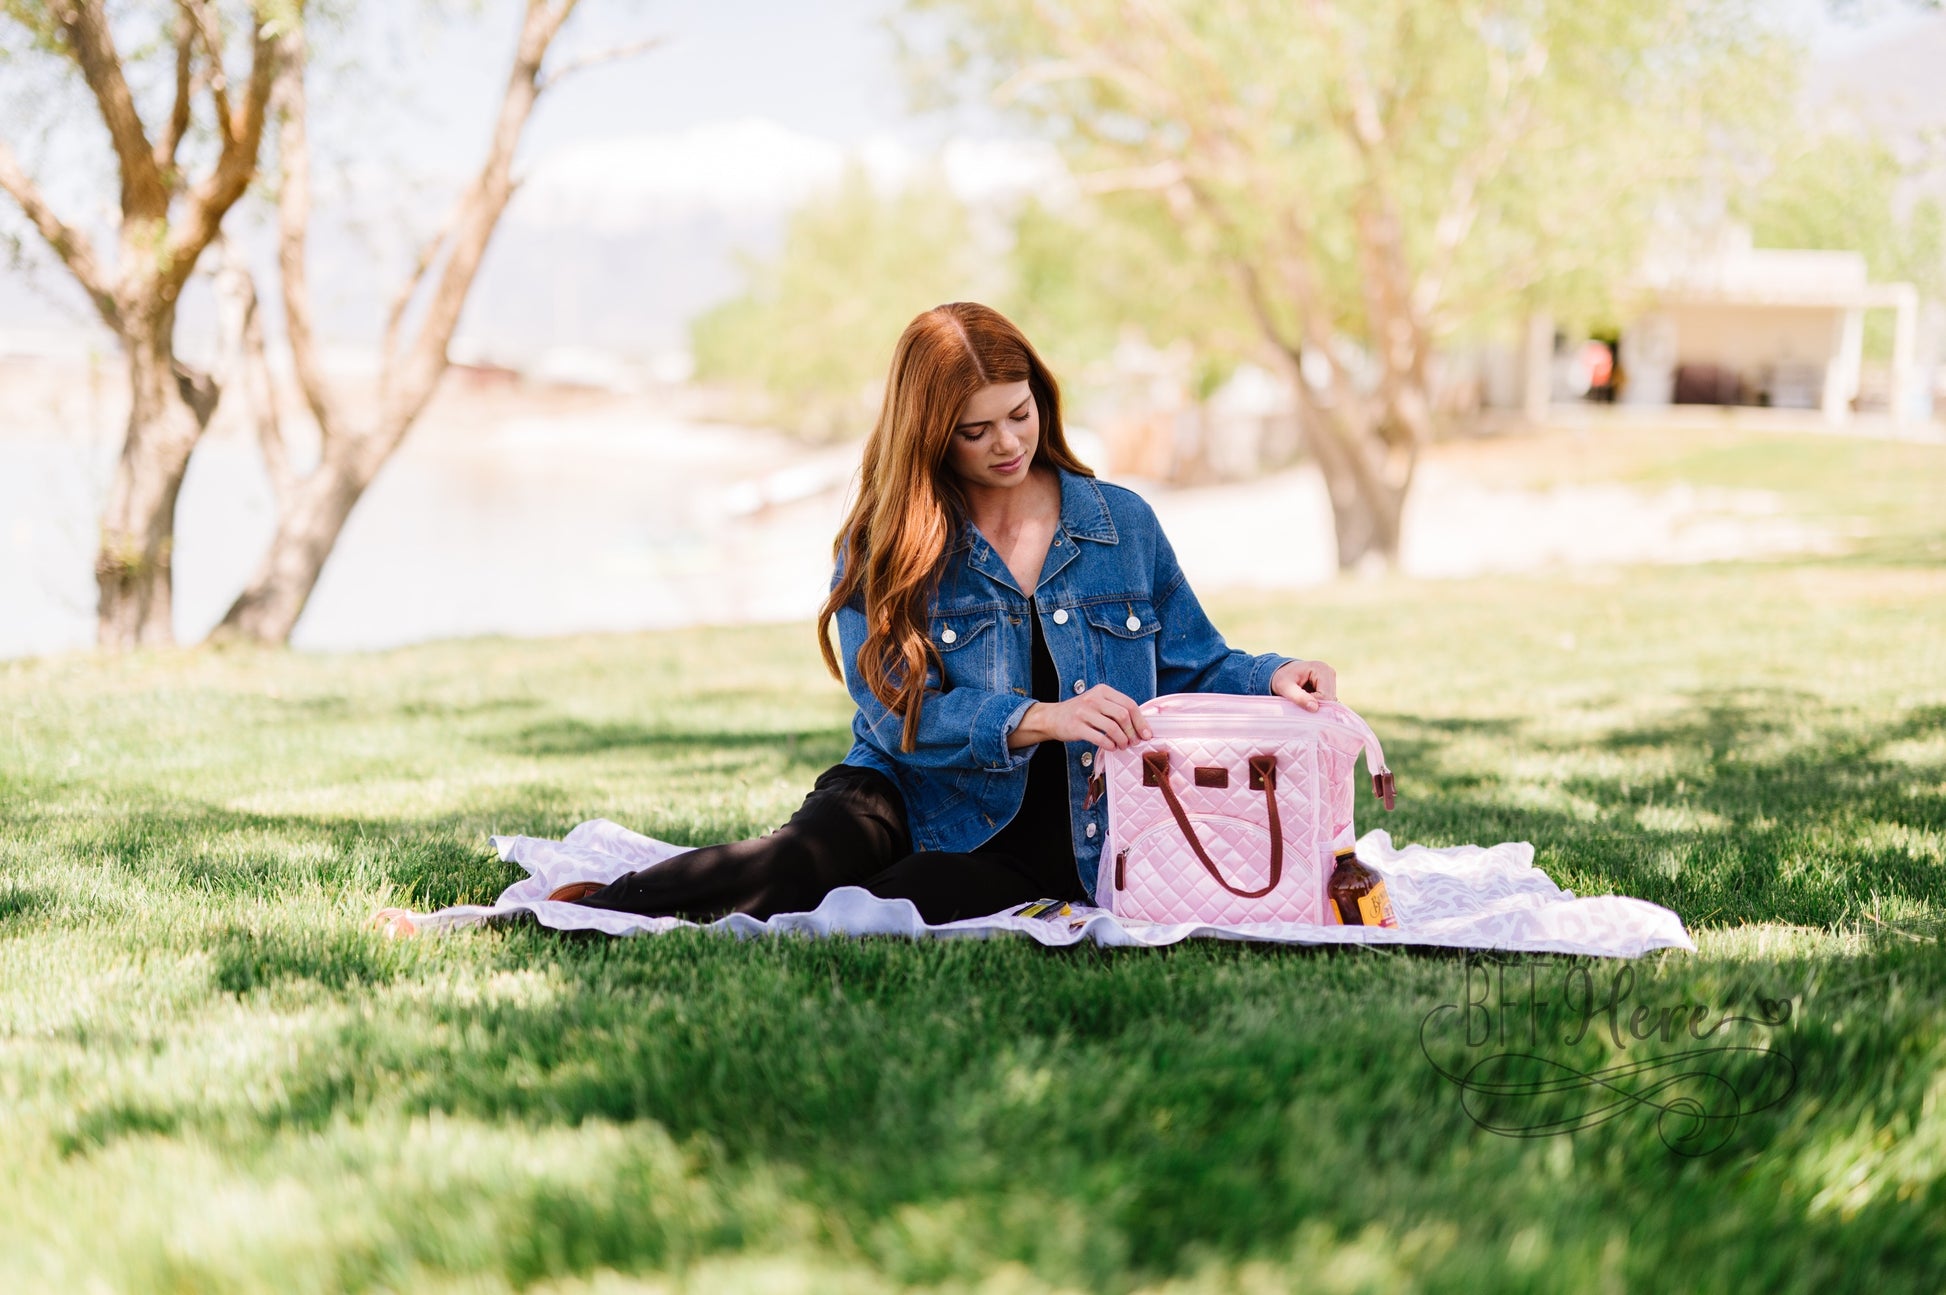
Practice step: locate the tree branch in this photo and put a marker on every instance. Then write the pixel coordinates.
(1397, 331)
(596, 58)
(1253, 292)
(165, 148)
(428, 253)
(86, 27)
(1456, 218)
(72, 245)
(407, 379)
(1077, 67)
(1123, 179)
(247, 375)
(242, 133)
(293, 229)
(208, 26)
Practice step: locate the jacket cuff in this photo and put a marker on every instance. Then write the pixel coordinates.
(1267, 665)
(994, 722)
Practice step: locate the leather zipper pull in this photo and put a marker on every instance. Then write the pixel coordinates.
(1096, 786)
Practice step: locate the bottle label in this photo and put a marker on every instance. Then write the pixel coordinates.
(1375, 907)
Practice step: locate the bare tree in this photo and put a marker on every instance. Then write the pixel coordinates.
(355, 444)
(168, 217)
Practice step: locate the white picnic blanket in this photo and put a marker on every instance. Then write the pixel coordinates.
(1465, 896)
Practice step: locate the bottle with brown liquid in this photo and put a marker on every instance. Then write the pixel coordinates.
(1358, 893)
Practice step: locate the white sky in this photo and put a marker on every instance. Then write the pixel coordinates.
(411, 98)
(823, 67)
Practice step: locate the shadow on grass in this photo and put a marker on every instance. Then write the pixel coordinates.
(470, 710)
(948, 1109)
(19, 903)
(1746, 807)
(212, 850)
(574, 737)
(245, 958)
(1212, 1099)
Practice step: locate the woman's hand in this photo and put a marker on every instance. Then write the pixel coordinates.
(1109, 719)
(1304, 682)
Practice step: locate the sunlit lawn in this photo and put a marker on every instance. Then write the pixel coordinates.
(213, 1077)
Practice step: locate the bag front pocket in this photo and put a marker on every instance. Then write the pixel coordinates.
(1158, 866)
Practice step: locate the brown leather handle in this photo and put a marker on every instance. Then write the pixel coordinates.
(1263, 774)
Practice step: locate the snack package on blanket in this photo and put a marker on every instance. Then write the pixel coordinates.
(1232, 812)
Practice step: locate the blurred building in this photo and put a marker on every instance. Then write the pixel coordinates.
(1730, 324)
(1741, 325)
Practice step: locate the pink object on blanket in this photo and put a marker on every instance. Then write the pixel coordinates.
(1231, 812)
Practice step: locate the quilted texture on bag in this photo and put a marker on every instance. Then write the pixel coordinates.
(1151, 870)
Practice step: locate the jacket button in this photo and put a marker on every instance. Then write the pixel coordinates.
(1087, 758)
(1134, 623)
(1061, 616)
(1080, 687)
(1091, 830)
(947, 636)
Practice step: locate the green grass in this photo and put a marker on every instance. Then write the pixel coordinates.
(213, 1078)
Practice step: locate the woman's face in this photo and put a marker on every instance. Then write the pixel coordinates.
(996, 435)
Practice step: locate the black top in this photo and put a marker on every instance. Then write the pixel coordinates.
(1041, 833)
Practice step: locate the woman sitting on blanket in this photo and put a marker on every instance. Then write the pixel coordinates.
(1002, 613)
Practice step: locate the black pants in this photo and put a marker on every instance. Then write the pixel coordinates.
(850, 831)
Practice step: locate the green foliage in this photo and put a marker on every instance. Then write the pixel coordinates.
(1082, 277)
(35, 22)
(1544, 132)
(1847, 192)
(214, 1078)
(1548, 166)
(815, 327)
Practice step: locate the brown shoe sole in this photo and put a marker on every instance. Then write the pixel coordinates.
(576, 891)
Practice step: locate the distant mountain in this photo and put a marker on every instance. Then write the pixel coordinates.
(613, 243)
(619, 242)
(1895, 82)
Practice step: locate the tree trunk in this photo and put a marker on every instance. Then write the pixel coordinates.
(167, 218)
(168, 410)
(1365, 506)
(1368, 534)
(307, 530)
(312, 510)
(1367, 494)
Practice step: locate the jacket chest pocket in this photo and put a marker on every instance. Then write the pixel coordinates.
(1122, 638)
(965, 646)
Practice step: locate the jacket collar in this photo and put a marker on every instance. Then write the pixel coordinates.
(1084, 513)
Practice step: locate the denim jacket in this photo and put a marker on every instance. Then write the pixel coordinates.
(1114, 609)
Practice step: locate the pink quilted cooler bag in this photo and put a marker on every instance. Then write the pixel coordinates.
(1230, 813)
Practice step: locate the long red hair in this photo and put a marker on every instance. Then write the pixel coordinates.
(910, 505)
